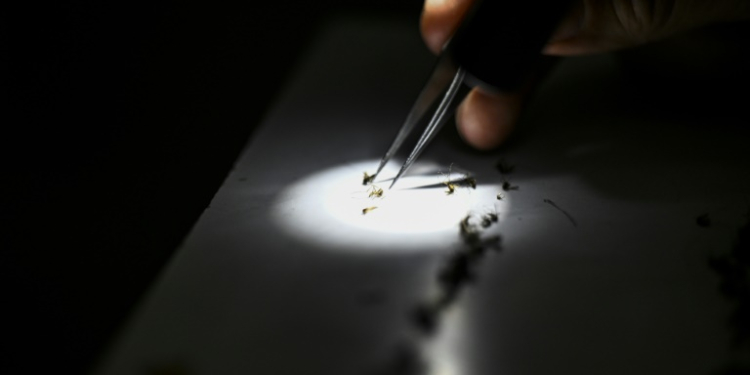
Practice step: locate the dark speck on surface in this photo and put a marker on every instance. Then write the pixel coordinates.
(458, 270)
(734, 270)
(703, 221)
(425, 317)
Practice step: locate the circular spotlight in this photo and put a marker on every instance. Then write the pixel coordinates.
(335, 210)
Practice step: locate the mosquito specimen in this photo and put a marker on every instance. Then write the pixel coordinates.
(367, 179)
(451, 186)
(471, 181)
(375, 192)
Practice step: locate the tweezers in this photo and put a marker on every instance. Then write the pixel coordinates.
(446, 79)
(496, 47)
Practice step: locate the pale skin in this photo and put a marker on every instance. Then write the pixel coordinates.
(486, 120)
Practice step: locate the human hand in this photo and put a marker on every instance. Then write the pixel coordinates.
(486, 119)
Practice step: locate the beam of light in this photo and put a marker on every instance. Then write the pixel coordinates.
(325, 208)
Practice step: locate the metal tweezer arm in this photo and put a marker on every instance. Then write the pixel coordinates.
(444, 74)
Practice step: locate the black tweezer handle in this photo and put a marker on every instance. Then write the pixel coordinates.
(500, 41)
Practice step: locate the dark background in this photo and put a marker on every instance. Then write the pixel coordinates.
(120, 120)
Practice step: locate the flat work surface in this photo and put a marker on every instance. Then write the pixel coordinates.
(602, 268)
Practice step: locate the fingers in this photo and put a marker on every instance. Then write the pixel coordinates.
(440, 19)
(485, 120)
(594, 26)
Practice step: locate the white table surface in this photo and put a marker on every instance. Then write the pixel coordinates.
(282, 274)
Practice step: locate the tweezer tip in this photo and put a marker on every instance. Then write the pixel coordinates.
(394, 180)
(398, 175)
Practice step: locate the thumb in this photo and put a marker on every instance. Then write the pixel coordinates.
(603, 25)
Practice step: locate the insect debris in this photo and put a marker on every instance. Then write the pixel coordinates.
(368, 209)
(470, 232)
(488, 219)
(570, 217)
(467, 229)
(367, 178)
(451, 186)
(458, 270)
(471, 228)
(425, 317)
(470, 181)
(486, 222)
(507, 186)
(375, 192)
(703, 221)
(500, 196)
